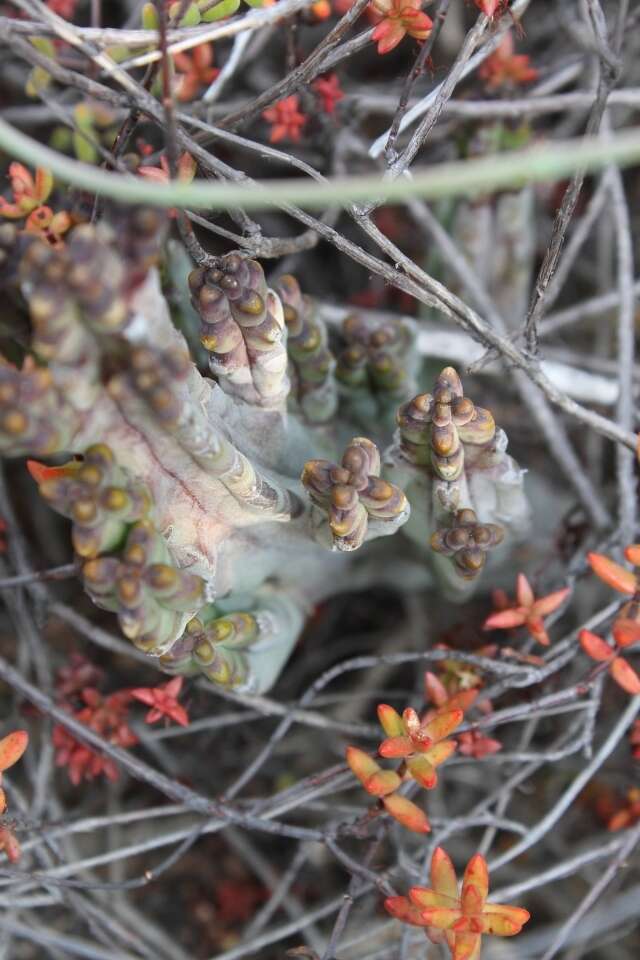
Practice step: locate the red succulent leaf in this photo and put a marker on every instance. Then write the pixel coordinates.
(626, 632)
(614, 575)
(163, 701)
(632, 554)
(407, 813)
(594, 646)
(625, 676)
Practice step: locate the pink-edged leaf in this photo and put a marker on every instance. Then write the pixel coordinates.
(443, 918)
(423, 897)
(442, 724)
(362, 765)
(443, 874)
(396, 747)
(390, 720)
(477, 874)
(505, 619)
(422, 771)
(594, 646)
(440, 752)
(462, 700)
(469, 923)
(12, 747)
(517, 915)
(407, 813)
(435, 690)
(467, 946)
(382, 783)
(546, 605)
(402, 909)
(625, 676)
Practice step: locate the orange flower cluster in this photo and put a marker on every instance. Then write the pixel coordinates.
(457, 919)
(421, 745)
(29, 196)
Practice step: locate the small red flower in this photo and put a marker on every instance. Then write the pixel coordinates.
(195, 71)
(506, 68)
(75, 676)
(399, 17)
(328, 89)
(625, 633)
(528, 612)
(108, 717)
(286, 120)
(163, 701)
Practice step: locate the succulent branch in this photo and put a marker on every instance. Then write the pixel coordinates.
(243, 328)
(311, 363)
(358, 503)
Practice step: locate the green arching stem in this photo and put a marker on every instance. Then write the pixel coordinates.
(538, 164)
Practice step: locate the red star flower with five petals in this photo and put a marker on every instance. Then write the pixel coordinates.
(399, 17)
(527, 612)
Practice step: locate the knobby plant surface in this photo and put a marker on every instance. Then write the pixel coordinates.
(319, 554)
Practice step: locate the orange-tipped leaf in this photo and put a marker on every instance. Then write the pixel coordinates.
(625, 676)
(407, 813)
(12, 747)
(390, 720)
(594, 646)
(614, 575)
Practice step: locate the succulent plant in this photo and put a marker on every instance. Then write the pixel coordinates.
(202, 506)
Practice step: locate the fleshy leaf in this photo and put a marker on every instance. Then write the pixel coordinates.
(390, 720)
(12, 747)
(407, 813)
(625, 676)
(594, 646)
(443, 874)
(614, 575)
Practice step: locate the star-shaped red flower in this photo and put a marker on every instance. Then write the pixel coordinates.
(286, 120)
(399, 17)
(328, 89)
(527, 612)
(505, 67)
(163, 701)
